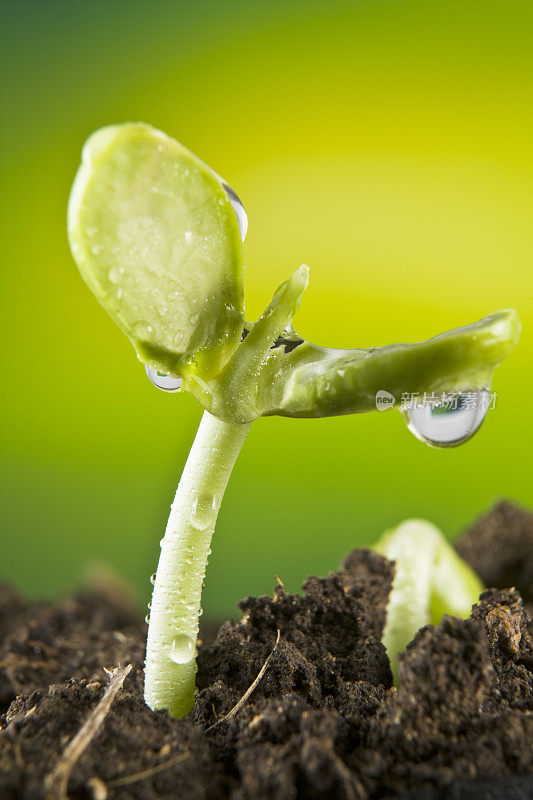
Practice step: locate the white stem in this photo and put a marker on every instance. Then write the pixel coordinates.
(430, 580)
(412, 548)
(170, 667)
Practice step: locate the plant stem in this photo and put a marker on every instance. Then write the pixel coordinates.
(173, 629)
(430, 580)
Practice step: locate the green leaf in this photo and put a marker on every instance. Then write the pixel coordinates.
(312, 381)
(156, 238)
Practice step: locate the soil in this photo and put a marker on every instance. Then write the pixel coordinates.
(322, 723)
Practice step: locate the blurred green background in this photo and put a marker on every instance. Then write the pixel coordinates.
(387, 144)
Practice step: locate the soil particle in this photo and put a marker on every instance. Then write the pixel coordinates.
(41, 644)
(510, 646)
(435, 727)
(133, 738)
(323, 722)
(330, 638)
(499, 547)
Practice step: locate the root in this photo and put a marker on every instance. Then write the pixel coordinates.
(55, 783)
(146, 773)
(248, 692)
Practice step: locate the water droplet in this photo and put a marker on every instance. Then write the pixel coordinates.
(182, 649)
(143, 330)
(149, 605)
(203, 512)
(152, 578)
(238, 207)
(147, 619)
(167, 383)
(188, 236)
(180, 341)
(115, 275)
(450, 420)
(96, 249)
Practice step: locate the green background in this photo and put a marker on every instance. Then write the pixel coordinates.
(385, 144)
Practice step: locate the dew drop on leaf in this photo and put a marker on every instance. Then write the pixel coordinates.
(167, 383)
(115, 275)
(450, 420)
(143, 330)
(238, 207)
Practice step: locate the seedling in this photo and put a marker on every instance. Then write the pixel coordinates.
(157, 236)
(430, 579)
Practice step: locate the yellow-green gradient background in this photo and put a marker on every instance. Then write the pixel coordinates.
(387, 144)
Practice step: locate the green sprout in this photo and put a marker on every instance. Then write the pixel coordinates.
(156, 236)
(430, 580)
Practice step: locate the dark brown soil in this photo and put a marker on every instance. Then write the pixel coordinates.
(502, 560)
(323, 722)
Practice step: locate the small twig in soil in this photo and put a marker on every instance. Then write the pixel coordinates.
(248, 692)
(147, 773)
(56, 781)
